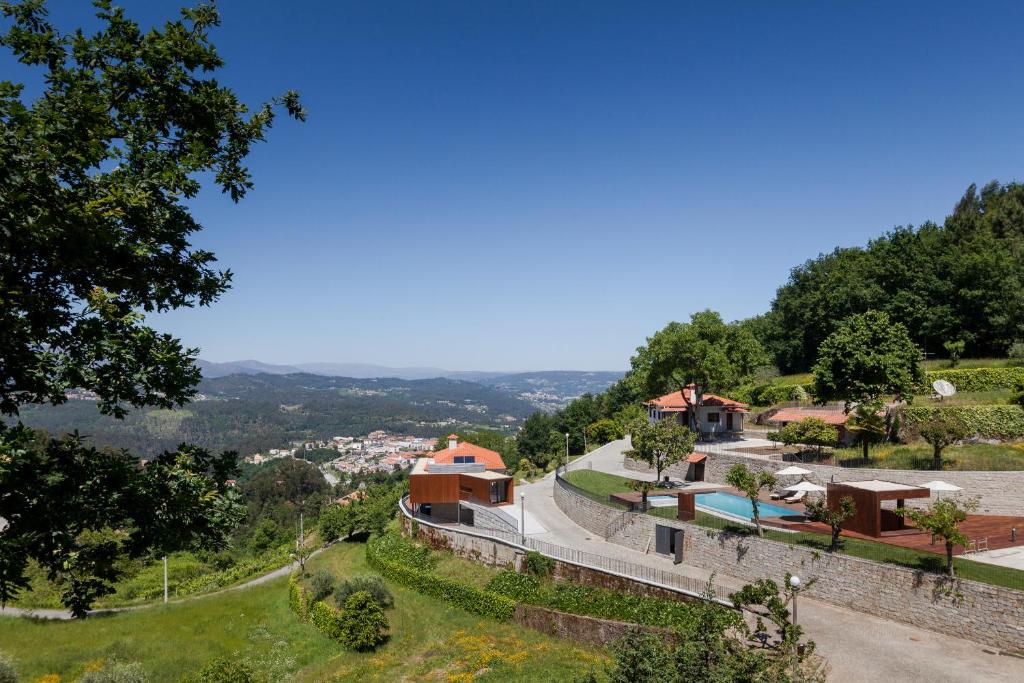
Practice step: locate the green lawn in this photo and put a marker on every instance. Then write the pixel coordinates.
(918, 456)
(430, 640)
(598, 484)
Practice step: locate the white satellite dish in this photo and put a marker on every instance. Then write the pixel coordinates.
(943, 388)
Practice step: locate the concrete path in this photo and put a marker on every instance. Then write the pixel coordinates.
(859, 647)
(65, 614)
(1007, 557)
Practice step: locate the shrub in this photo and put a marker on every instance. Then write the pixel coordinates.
(989, 422)
(321, 585)
(458, 594)
(1016, 352)
(519, 587)
(224, 670)
(770, 394)
(398, 549)
(976, 379)
(115, 672)
(367, 584)
(297, 600)
(8, 672)
(362, 624)
(325, 619)
(539, 565)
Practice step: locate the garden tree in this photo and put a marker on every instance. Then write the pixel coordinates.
(810, 431)
(751, 483)
(954, 349)
(97, 175)
(764, 600)
(603, 431)
(867, 424)
(534, 438)
(868, 357)
(362, 624)
(644, 487)
(527, 467)
(628, 415)
(942, 519)
(639, 657)
(575, 418)
(661, 444)
(819, 511)
(963, 279)
(943, 428)
(706, 352)
(371, 512)
(283, 490)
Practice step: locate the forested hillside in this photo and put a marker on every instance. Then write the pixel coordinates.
(255, 412)
(962, 280)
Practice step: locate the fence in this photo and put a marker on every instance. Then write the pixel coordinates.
(611, 565)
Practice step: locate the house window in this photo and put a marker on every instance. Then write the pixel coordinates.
(713, 417)
(463, 459)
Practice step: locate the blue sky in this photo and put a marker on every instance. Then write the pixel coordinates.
(540, 185)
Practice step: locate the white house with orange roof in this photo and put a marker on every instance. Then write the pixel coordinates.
(717, 416)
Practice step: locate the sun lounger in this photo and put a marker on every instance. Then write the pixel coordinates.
(777, 495)
(796, 497)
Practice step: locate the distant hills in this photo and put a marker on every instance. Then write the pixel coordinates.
(354, 370)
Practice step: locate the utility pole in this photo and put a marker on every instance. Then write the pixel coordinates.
(165, 579)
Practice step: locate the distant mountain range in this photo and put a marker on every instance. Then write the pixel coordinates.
(212, 370)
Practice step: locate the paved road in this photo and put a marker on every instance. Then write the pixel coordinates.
(859, 647)
(64, 614)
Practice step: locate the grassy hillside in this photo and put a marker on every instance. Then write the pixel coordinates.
(430, 641)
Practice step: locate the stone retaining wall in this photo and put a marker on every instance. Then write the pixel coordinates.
(999, 493)
(987, 614)
(579, 628)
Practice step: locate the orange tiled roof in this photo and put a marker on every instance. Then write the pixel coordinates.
(491, 459)
(833, 417)
(675, 401)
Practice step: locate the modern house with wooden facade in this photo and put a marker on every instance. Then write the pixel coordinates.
(460, 472)
(717, 416)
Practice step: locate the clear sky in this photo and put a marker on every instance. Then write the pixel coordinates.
(540, 185)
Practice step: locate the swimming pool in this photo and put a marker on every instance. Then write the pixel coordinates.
(661, 501)
(740, 507)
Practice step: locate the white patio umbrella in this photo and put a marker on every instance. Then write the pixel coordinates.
(938, 486)
(792, 471)
(806, 486)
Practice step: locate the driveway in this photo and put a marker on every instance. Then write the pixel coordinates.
(859, 647)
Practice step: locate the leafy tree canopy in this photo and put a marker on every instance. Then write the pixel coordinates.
(97, 173)
(869, 356)
(661, 444)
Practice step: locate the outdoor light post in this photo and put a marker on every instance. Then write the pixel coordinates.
(165, 579)
(522, 516)
(567, 451)
(794, 582)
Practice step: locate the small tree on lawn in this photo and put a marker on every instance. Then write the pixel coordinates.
(661, 444)
(867, 425)
(941, 430)
(955, 349)
(363, 625)
(819, 511)
(942, 519)
(750, 483)
(644, 488)
(814, 431)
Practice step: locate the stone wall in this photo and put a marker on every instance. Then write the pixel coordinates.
(999, 493)
(983, 613)
(579, 628)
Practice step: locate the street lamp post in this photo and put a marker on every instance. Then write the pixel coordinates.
(794, 582)
(567, 451)
(522, 517)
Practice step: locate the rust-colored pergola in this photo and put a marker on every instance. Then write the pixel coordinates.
(869, 517)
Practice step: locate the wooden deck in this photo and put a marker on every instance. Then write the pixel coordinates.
(994, 529)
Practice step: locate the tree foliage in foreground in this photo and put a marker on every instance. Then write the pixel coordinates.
(943, 518)
(661, 444)
(97, 173)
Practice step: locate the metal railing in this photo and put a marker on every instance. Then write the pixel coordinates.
(693, 587)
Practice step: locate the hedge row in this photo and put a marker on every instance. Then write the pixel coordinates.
(595, 602)
(988, 422)
(379, 555)
(297, 601)
(978, 379)
(771, 394)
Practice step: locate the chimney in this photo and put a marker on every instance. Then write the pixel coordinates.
(453, 441)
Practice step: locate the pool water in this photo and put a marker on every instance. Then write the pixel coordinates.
(740, 507)
(661, 501)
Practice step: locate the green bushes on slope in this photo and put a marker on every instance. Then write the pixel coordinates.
(988, 422)
(977, 379)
